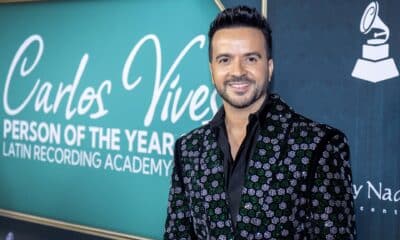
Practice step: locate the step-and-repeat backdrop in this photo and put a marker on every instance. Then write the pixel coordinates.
(94, 94)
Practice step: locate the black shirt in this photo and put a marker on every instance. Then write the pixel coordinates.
(235, 170)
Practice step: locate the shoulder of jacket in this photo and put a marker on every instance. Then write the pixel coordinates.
(195, 134)
(302, 123)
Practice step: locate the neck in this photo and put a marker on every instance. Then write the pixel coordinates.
(237, 118)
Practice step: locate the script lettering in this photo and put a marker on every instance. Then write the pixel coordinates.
(195, 99)
(42, 102)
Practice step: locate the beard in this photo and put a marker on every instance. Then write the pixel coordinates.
(239, 100)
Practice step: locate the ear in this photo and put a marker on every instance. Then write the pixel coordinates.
(270, 67)
(212, 77)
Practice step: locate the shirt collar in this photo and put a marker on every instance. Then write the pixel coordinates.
(219, 118)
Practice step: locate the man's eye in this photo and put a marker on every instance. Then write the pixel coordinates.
(252, 59)
(223, 60)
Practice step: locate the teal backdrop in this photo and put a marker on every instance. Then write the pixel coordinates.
(94, 52)
(105, 46)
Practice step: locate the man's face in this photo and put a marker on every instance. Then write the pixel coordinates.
(239, 66)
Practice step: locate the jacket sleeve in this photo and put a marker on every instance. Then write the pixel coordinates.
(331, 204)
(178, 224)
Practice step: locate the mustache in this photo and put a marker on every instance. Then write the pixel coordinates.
(239, 79)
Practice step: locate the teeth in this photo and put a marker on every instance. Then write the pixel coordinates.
(238, 85)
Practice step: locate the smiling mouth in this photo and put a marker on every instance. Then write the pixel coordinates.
(239, 86)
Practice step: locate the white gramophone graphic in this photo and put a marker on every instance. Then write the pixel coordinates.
(375, 64)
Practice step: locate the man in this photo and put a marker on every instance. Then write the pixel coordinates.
(257, 170)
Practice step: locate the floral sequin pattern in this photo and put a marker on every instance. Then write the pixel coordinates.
(297, 185)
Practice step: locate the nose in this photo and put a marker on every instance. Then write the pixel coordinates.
(238, 69)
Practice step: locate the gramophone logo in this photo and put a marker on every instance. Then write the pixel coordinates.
(375, 64)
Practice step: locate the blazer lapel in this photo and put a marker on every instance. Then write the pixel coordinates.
(264, 173)
(211, 182)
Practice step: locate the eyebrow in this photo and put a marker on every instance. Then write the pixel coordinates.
(253, 53)
(222, 55)
(230, 55)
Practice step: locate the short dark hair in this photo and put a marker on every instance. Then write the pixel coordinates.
(240, 16)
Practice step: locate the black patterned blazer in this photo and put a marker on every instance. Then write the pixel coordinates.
(297, 184)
